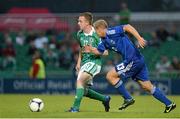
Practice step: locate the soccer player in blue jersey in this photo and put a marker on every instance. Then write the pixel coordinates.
(133, 64)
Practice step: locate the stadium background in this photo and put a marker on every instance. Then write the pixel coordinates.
(22, 22)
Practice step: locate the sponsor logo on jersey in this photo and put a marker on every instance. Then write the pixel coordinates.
(110, 32)
(91, 40)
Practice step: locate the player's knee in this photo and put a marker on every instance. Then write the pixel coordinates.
(109, 76)
(112, 79)
(79, 83)
(147, 87)
(144, 87)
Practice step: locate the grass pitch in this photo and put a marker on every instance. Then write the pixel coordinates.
(16, 106)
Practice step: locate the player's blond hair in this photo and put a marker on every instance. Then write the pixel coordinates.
(100, 23)
(88, 16)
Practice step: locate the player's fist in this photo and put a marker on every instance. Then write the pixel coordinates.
(87, 49)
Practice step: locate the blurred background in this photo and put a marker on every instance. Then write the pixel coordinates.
(46, 30)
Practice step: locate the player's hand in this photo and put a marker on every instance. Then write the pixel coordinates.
(141, 42)
(77, 68)
(87, 49)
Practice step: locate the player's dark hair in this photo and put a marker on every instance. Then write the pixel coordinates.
(100, 23)
(88, 16)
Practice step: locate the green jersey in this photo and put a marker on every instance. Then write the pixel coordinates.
(89, 39)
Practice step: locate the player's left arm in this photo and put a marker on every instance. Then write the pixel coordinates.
(134, 32)
(90, 49)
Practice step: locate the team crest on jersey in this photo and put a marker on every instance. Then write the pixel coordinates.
(110, 32)
(91, 40)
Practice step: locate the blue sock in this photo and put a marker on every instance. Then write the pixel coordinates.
(121, 89)
(158, 94)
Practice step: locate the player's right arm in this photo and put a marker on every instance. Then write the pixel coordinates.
(78, 65)
(134, 32)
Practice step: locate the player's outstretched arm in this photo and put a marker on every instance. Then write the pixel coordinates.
(134, 32)
(90, 49)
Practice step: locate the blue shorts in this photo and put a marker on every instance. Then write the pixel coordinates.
(135, 69)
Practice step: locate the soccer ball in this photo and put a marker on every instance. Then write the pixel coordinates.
(36, 105)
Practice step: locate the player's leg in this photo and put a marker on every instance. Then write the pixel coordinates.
(114, 79)
(83, 77)
(156, 92)
(92, 94)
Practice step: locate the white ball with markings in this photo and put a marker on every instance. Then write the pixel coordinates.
(36, 105)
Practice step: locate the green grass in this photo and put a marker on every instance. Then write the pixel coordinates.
(56, 105)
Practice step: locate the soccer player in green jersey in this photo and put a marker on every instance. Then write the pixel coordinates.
(88, 64)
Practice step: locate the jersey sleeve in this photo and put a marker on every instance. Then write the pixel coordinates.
(101, 48)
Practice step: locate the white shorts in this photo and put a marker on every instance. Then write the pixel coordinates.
(91, 68)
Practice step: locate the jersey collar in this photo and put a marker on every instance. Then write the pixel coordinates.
(91, 32)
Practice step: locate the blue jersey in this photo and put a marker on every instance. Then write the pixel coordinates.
(133, 64)
(118, 41)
